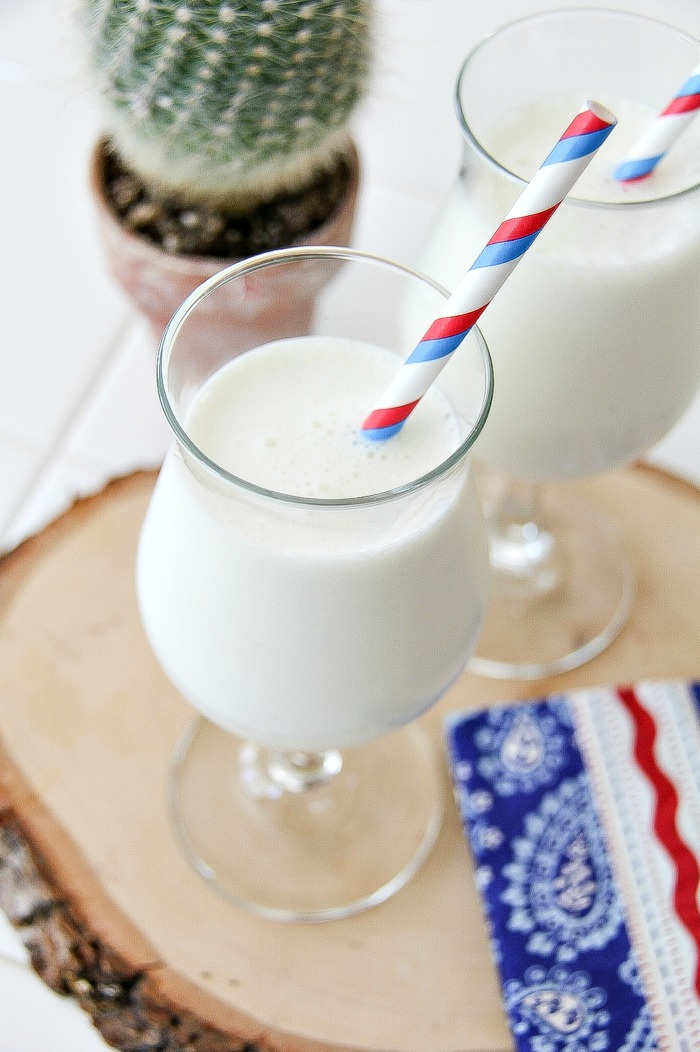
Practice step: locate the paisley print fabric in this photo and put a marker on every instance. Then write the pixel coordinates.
(546, 792)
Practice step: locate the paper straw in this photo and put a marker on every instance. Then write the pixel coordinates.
(528, 216)
(655, 142)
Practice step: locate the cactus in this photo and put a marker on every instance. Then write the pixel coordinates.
(228, 101)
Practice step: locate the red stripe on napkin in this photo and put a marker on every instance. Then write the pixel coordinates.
(685, 863)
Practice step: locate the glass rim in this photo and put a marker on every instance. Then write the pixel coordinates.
(541, 16)
(261, 262)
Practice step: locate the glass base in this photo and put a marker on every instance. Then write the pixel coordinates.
(568, 605)
(299, 836)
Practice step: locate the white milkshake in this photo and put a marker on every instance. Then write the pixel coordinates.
(301, 625)
(595, 337)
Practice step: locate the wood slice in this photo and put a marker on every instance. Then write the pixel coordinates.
(92, 877)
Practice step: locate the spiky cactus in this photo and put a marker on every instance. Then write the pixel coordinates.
(228, 101)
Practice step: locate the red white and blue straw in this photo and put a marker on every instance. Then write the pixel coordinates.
(655, 142)
(535, 206)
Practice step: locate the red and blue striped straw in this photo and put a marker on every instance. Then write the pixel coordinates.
(535, 206)
(655, 142)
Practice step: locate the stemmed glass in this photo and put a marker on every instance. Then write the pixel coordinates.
(310, 627)
(595, 337)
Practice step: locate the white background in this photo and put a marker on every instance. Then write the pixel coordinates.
(77, 382)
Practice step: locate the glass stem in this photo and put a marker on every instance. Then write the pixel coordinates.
(296, 771)
(271, 773)
(522, 550)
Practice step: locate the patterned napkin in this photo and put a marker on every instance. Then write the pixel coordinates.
(582, 812)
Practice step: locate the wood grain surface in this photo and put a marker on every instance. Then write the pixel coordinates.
(92, 877)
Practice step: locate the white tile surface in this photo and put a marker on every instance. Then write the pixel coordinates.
(78, 394)
(61, 482)
(18, 469)
(10, 946)
(121, 427)
(34, 1018)
(64, 309)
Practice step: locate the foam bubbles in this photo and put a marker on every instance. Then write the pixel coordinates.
(288, 417)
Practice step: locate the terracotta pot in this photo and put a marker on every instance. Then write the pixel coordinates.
(157, 282)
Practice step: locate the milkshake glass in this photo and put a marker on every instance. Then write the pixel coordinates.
(308, 591)
(595, 337)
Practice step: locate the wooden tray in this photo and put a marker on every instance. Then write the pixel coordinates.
(89, 869)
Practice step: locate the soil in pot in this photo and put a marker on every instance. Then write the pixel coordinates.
(203, 231)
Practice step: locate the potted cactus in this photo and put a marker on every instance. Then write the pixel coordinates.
(226, 133)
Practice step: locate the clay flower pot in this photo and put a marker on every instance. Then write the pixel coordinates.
(157, 282)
